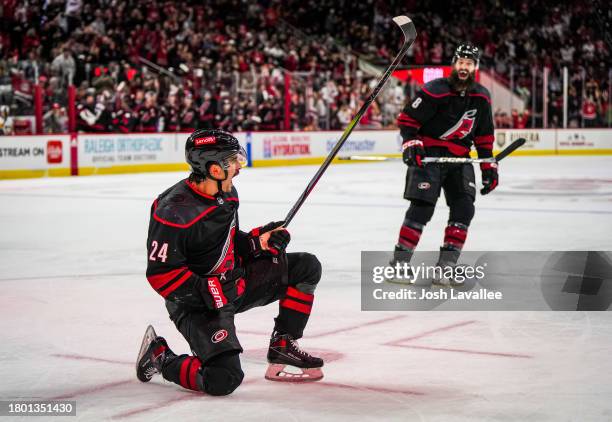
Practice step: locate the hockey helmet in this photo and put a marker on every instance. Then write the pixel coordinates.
(467, 51)
(205, 147)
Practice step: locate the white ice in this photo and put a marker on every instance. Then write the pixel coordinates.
(74, 302)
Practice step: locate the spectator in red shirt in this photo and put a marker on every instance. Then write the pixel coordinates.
(589, 112)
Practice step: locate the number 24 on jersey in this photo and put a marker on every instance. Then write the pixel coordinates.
(161, 254)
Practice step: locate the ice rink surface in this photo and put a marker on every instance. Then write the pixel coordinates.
(74, 301)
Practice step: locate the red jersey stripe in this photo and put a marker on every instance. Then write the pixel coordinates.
(197, 192)
(406, 119)
(408, 124)
(455, 149)
(404, 116)
(165, 292)
(446, 94)
(159, 280)
(484, 138)
(481, 95)
(183, 226)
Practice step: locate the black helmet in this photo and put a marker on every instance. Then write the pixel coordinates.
(205, 147)
(467, 51)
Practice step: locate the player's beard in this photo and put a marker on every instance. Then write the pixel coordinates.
(458, 84)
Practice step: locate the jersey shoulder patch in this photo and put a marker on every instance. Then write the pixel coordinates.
(437, 88)
(181, 207)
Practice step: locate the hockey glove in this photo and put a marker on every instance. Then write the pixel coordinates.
(221, 289)
(490, 178)
(413, 152)
(269, 238)
(278, 241)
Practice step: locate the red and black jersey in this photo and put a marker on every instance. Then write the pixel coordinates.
(171, 119)
(444, 118)
(189, 119)
(148, 119)
(124, 121)
(191, 235)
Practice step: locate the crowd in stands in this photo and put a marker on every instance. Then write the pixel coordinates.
(163, 65)
(516, 39)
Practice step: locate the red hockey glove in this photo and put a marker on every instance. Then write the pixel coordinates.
(413, 152)
(490, 178)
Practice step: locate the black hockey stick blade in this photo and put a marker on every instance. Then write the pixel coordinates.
(510, 149)
(409, 31)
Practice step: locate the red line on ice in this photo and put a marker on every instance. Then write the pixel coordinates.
(256, 333)
(398, 343)
(427, 333)
(369, 388)
(81, 357)
(183, 397)
(336, 331)
(91, 389)
(186, 395)
(355, 327)
(473, 352)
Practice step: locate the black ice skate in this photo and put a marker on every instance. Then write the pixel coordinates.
(153, 352)
(447, 263)
(401, 263)
(284, 351)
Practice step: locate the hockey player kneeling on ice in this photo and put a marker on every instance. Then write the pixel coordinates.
(446, 117)
(207, 270)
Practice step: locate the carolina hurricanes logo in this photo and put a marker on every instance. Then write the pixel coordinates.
(219, 336)
(462, 128)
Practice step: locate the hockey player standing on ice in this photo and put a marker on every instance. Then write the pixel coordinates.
(207, 270)
(444, 119)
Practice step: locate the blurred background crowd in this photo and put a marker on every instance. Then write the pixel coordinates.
(165, 65)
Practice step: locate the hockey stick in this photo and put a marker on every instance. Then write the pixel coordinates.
(409, 31)
(444, 160)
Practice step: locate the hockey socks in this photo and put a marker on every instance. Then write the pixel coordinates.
(454, 239)
(184, 370)
(294, 311)
(409, 236)
(454, 236)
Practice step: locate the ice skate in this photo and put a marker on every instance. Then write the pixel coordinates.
(401, 263)
(285, 352)
(152, 354)
(444, 276)
(439, 280)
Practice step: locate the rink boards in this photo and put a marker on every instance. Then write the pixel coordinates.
(86, 154)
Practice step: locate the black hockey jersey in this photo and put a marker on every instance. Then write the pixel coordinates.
(443, 118)
(191, 236)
